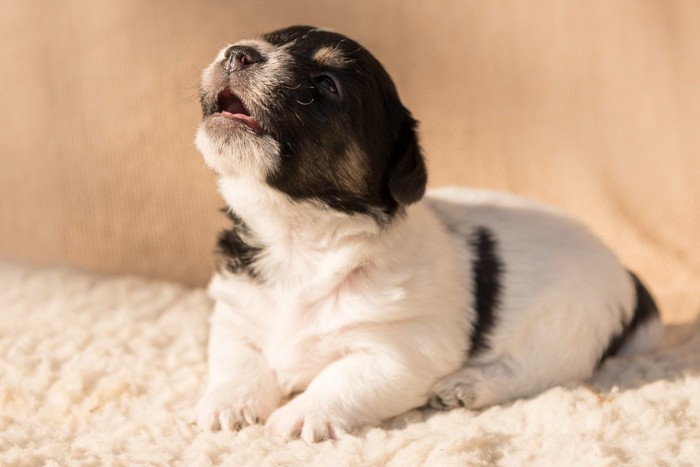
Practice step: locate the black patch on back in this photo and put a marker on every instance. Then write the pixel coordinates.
(235, 255)
(644, 311)
(486, 271)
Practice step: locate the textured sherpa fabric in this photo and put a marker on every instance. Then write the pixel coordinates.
(105, 371)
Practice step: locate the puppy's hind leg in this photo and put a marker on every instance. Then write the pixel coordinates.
(478, 385)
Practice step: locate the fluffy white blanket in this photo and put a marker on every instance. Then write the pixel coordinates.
(103, 371)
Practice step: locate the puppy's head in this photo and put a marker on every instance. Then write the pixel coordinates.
(314, 115)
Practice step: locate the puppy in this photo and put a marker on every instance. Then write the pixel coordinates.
(344, 297)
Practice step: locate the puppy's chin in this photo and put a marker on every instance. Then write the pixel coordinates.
(232, 149)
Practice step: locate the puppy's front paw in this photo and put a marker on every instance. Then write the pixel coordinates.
(301, 418)
(232, 406)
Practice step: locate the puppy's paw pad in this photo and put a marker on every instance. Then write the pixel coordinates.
(453, 392)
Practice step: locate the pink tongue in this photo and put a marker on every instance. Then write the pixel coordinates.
(234, 108)
(236, 111)
(251, 122)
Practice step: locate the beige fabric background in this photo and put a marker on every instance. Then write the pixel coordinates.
(590, 106)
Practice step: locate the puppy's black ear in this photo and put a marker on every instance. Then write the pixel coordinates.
(407, 175)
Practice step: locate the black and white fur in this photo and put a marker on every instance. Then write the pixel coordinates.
(344, 297)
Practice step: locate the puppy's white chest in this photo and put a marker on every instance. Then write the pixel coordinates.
(298, 319)
(298, 345)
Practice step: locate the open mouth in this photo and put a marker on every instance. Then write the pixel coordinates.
(228, 105)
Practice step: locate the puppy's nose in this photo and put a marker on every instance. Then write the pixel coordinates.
(238, 57)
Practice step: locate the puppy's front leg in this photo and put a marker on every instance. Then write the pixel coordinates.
(359, 389)
(241, 388)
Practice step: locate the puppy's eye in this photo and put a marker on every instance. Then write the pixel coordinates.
(327, 83)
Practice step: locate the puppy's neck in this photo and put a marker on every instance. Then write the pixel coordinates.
(275, 218)
(306, 249)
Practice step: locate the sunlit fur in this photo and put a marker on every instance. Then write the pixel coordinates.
(349, 318)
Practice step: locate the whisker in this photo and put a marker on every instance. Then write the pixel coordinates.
(307, 103)
(196, 91)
